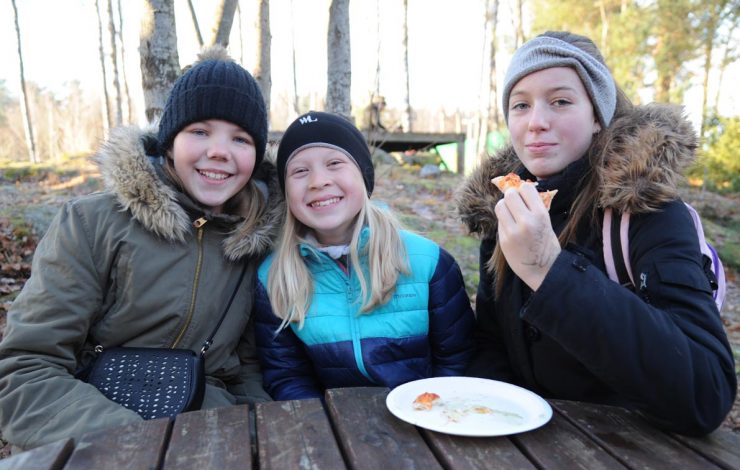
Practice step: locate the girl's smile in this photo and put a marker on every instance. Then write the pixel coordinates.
(325, 192)
(214, 160)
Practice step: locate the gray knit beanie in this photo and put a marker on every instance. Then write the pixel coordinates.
(215, 87)
(544, 52)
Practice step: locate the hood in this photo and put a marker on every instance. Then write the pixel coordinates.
(131, 176)
(647, 151)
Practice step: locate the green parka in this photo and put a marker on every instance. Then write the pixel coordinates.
(138, 264)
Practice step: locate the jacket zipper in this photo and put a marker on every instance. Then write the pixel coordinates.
(354, 322)
(198, 224)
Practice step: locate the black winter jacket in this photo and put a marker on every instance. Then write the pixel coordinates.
(660, 350)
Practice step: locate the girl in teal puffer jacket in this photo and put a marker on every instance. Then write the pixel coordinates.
(349, 299)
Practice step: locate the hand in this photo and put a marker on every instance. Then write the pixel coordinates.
(525, 234)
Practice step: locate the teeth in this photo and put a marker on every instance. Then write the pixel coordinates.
(214, 176)
(327, 202)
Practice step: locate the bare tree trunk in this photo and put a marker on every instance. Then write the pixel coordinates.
(129, 103)
(223, 20)
(262, 69)
(241, 36)
(106, 100)
(518, 24)
(376, 92)
(159, 61)
(25, 111)
(727, 58)
(406, 117)
(493, 116)
(195, 23)
(296, 107)
(114, 61)
(339, 68)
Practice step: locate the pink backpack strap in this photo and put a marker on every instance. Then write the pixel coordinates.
(624, 243)
(624, 240)
(606, 236)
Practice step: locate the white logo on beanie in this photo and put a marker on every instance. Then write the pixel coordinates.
(307, 119)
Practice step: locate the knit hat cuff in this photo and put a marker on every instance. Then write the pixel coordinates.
(545, 52)
(217, 101)
(320, 129)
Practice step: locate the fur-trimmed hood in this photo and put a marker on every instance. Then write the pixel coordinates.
(131, 176)
(647, 151)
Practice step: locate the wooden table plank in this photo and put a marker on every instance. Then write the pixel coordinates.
(370, 436)
(296, 434)
(721, 447)
(629, 438)
(138, 445)
(213, 438)
(560, 445)
(50, 456)
(489, 453)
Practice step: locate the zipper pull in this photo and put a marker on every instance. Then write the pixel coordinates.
(200, 222)
(98, 349)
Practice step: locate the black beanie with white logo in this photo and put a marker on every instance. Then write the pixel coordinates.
(215, 87)
(318, 129)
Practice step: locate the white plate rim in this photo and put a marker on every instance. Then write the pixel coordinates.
(540, 417)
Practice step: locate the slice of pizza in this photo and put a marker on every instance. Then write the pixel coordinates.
(512, 180)
(425, 401)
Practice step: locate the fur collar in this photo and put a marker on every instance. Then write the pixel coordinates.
(129, 174)
(647, 151)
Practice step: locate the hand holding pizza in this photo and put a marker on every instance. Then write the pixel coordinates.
(525, 234)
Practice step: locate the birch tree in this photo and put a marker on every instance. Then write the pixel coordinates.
(262, 68)
(339, 63)
(101, 54)
(714, 15)
(223, 20)
(158, 49)
(194, 17)
(129, 103)
(114, 62)
(406, 117)
(25, 111)
(489, 117)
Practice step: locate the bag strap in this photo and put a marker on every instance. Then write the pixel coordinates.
(613, 228)
(207, 343)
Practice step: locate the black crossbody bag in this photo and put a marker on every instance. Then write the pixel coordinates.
(153, 382)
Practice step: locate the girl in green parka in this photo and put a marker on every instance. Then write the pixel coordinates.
(150, 261)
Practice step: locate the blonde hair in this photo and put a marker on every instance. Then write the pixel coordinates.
(290, 285)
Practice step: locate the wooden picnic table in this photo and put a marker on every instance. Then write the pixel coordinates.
(352, 428)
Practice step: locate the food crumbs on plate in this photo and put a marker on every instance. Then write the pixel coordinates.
(425, 401)
(483, 410)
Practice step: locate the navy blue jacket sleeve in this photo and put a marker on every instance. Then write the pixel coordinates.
(287, 370)
(450, 319)
(663, 348)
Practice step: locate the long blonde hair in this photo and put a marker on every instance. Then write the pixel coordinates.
(583, 206)
(290, 285)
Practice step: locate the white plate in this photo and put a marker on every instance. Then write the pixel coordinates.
(469, 406)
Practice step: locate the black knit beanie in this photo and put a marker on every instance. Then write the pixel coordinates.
(317, 129)
(215, 87)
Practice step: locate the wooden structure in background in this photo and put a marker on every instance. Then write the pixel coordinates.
(402, 141)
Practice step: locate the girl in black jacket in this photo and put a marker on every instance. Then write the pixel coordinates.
(548, 317)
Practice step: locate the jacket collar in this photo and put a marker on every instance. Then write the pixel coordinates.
(647, 152)
(309, 250)
(141, 188)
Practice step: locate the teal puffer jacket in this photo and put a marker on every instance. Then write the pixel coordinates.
(425, 330)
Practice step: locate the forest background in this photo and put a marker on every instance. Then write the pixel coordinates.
(72, 69)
